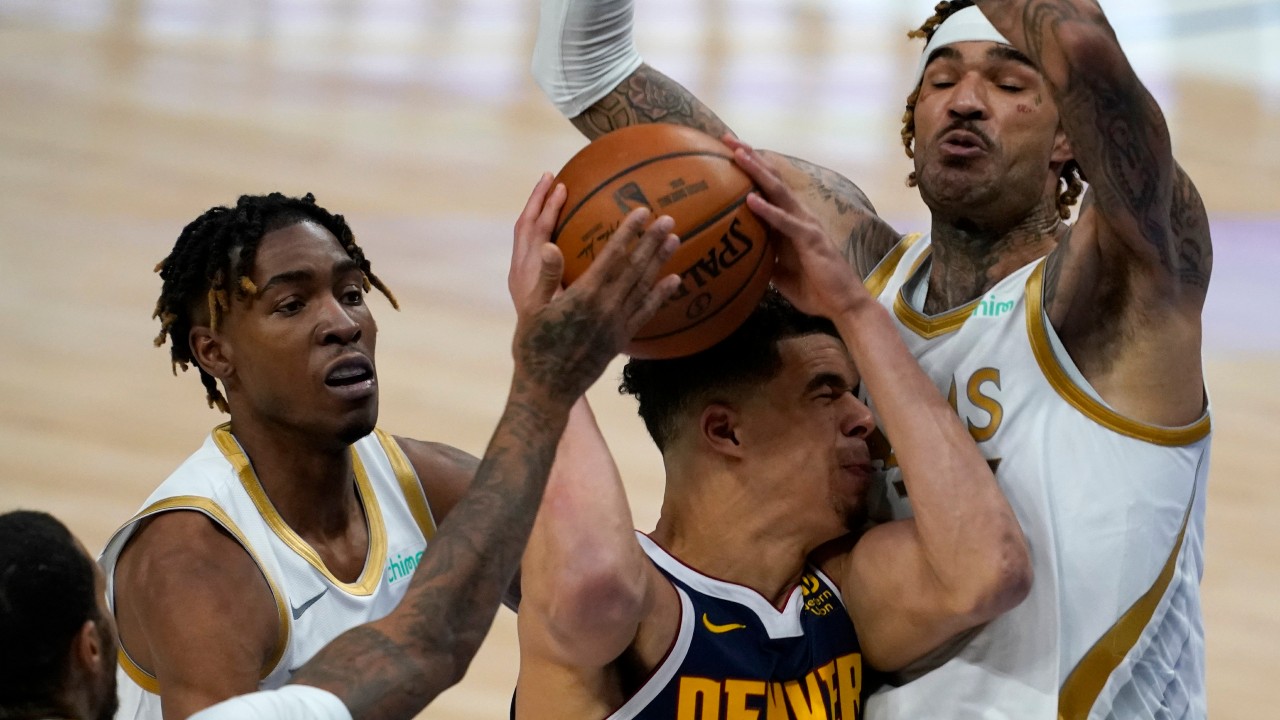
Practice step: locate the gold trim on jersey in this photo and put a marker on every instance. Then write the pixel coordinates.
(930, 326)
(879, 277)
(1090, 675)
(377, 555)
(409, 485)
(146, 680)
(1081, 400)
(140, 677)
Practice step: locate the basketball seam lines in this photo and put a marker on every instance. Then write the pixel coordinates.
(632, 168)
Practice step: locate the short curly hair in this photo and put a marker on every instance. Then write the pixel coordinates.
(198, 273)
(1070, 182)
(667, 389)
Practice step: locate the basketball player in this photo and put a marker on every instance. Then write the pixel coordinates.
(1071, 351)
(299, 519)
(57, 642)
(749, 597)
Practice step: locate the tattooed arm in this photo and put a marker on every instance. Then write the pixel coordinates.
(1129, 281)
(586, 62)
(1148, 211)
(393, 667)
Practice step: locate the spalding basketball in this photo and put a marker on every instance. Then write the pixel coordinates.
(724, 260)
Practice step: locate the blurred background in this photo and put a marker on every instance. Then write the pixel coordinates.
(122, 120)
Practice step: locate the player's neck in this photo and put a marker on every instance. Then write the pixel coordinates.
(969, 257)
(313, 488)
(729, 537)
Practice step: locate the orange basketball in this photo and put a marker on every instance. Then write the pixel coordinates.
(725, 259)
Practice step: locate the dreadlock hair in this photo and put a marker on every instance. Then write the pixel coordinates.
(46, 595)
(666, 389)
(199, 277)
(1070, 181)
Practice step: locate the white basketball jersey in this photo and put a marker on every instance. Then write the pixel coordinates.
(1113, 511)
(314, 607)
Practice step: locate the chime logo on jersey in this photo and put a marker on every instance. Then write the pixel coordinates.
(401, 567)
(991, 307)
(831, 692)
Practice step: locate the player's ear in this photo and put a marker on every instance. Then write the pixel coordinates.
(86, 646)
(719, 429)
(1062, 151)
(210, 351)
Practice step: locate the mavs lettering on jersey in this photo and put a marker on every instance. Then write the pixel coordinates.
(737, 657)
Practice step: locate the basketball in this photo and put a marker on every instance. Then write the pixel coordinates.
(724, 260)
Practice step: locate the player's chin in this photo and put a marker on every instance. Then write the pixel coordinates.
(356, 424)
(850, 511)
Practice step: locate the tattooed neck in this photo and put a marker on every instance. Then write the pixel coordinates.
(969, 259)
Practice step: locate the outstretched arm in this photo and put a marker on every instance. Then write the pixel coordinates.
(393, 667)
(912, 584)
(586, 62)
(1147, 207)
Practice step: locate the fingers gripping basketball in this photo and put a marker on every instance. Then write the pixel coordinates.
(724, 259)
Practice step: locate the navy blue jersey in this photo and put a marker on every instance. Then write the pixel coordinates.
(737, 656)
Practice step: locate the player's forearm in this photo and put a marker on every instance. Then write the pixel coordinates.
(394, 667)
(584, 571)
(648, 96)
(966, 527)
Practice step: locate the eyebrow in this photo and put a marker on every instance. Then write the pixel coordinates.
(1004, 52)
(826, 380)
(341, 267)
(995, 52)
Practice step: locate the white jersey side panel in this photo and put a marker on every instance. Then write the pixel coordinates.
(314, 607)
(1113, 511)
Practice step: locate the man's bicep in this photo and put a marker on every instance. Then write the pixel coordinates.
(648, 96)
(896, 601)
(1189, 224)
(196, 611)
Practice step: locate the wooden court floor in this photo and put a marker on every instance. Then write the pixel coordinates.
(120, 120)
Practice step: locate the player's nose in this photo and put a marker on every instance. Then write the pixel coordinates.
(856, 419)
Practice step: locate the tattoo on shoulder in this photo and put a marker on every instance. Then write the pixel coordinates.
(648, 96)
(1189, 224)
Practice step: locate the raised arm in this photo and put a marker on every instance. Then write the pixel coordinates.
(586, 62)
(1125, 288)
(587, 584)
(1147, 208)
(912, 584)
(585, 580)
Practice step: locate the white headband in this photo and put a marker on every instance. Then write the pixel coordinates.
(967, 25)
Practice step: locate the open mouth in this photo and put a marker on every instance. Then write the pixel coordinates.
(349, 372)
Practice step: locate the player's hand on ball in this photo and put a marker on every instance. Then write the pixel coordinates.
(811, 272)
(535, 260)
(565, 338)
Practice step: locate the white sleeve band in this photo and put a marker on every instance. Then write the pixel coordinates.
(584, 50)
(291, 702)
